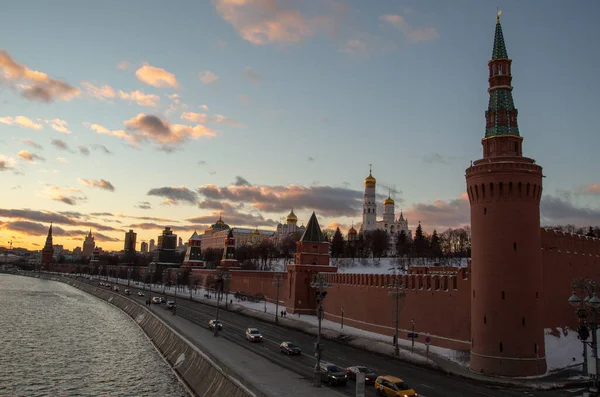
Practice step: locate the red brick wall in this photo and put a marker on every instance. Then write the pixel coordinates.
(439, 305)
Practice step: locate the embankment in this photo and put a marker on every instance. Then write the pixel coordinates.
(202, 374)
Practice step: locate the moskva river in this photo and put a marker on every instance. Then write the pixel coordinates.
(56, 340)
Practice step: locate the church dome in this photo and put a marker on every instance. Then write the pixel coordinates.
(352, 231)
(388, 200)
(370, 181)
(291, 218)
(220, 225)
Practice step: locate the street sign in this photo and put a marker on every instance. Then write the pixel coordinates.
(360, 385)
(427, 340)
(413, 335)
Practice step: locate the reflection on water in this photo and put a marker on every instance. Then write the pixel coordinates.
(59, 341)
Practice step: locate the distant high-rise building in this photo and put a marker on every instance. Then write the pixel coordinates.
(88, 245)
(130, 238)
(77, 251)
(152, 246)
(144, 246)
(180, 242)
(167, 245)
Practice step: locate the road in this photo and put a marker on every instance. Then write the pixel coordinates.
(427, 382)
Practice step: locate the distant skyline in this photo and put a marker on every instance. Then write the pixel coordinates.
(137, 115)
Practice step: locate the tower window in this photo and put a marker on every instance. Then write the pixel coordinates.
(501, 347)
(484, 210)
(483, 191)
(523, 321)
(516, 148)
(484, 319)
(537, 295)
(491, 190)
(502, 295)
(501, 188)
(515, 246)
(473, 293)
(535, 348)
(520, 190)
(509, 188)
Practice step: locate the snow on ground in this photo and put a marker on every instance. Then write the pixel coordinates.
(563, 348)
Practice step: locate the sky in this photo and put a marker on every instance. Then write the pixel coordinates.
(144, 114)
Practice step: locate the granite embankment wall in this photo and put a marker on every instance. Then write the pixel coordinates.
(201, 373)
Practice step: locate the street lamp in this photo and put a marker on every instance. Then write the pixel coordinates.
(176, 284)
(398, 293)
(587, 297)
(277, 283)
(320, 282)
(219, 282)
(129, 271)
(165, 273)
(342, 317)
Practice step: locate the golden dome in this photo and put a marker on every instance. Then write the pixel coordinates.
(370, 181)
(388, 200)
(291, 217)
(352, 231)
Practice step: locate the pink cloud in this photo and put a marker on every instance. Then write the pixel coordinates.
(31, 157)
(140, 98)
(440, 214)
(156, 77)
(208, 77)
(103, 92)
(21, 121)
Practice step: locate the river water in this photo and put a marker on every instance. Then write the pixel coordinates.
(56, 340)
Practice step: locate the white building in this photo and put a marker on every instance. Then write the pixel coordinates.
(370, 205)
(290, 226)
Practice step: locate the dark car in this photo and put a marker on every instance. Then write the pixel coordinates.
(213, 323)
(290, 349)
(333, 374)
(370, 375)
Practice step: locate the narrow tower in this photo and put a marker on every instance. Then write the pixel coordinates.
(504, 189)
(388, 209)
(47, 251)
(369, 206)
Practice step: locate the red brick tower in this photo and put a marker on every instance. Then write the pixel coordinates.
(312, 257)
(229, 260)
(504, 188)
(47, 251)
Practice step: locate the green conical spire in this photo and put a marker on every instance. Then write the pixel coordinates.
(499, 46)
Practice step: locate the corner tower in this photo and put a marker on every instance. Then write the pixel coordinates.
(47, 251)
(369, 206)
(504, 189)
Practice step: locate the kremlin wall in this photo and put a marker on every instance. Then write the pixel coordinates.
(499, 307)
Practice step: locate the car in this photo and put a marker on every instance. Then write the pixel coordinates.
(215, 323)
(116, 289)
(290, 348)
(140, 293)
(162, 300)
(333, 374)
(170, 305)
(391, 386)
(156, 300)
(127, 292)
(101, 284)
(253, 335)
(370, 375)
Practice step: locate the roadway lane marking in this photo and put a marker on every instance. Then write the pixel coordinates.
(424, 385)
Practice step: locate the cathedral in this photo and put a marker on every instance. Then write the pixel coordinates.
(389, 223)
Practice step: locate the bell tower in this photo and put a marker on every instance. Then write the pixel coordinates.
(504, 189)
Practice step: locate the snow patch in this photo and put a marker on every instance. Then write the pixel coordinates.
(140, 318)
(180, 360)
(563, 348)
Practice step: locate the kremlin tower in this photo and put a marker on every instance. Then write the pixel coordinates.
(47, 251)
(369, 206)
(504, 189)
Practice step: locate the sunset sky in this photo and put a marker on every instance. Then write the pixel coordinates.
(145, 114)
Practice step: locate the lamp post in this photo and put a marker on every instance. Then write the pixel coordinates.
(342, 317)
(396, 292)
(129, 271)
(176, 285)
(165, 273)
(219, 282)
(277, 283)
(319, 282)
(587, 297)
(412, 349)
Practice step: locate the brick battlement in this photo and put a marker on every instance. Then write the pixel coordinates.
(575, 244)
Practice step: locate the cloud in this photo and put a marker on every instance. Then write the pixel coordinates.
(174, 195)
(395, 20)
(20, 121)
(31, 157)
(335, 225)
(440, 214)
(326, 200)
(84, 150)
(66, 195)
(60, 144)
(244, 98)
(412, 33)
(251, 75)
(123, 65)
(62, 160)
(268, 21)
(102, 148)
(101, 183)
(103, 93)
(434, 158)
(147, 218)
(33, 144)
(156, 77)
(99, 129)
(59, 125)
(6, 163)
(34, 85)
(240, 181)
(148, 127)
(310, 158)
(208, 77)
(203, 107)
(202, 118)
(140, 98)
(201, 162)
(589, 189)
(558, 211)
(62, 218)
(235, 218)
(144, 205)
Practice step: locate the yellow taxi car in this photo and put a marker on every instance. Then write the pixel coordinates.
(390, 386)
